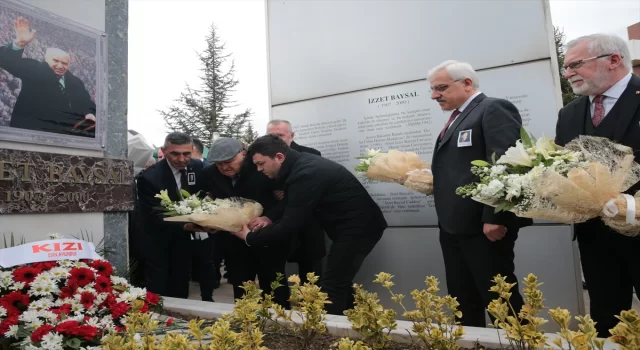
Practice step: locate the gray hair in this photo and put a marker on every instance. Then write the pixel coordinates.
(457, 71)
(177, 138)
(279, 121)
(55, 52)
(603, 44)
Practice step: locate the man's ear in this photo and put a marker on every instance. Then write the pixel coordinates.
(280, 157)
(293, 134)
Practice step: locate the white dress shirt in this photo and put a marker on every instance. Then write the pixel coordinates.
(176, 174)
(464, 105)
(612, 95)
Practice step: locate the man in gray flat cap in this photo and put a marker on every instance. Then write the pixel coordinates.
(234, 175)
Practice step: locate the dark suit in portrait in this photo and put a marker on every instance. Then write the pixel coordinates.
(47, 102)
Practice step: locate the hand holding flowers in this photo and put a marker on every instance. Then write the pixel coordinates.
(211, 214)
(583, 180)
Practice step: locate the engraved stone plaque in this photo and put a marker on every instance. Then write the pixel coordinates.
(35, 182)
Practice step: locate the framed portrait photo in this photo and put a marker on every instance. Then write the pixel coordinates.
(53, 87)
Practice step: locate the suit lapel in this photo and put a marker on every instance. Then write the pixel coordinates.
(576, 126)
(629, 103)
(452, 129)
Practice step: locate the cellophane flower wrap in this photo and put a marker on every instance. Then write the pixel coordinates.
(66, 304)
(221, 214)
(583, 180)
(404, 168)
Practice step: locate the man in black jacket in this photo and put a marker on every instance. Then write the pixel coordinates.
(166, 252)
(476, 243)
(234, 175)
(315, 186)
(598, 67)
(52, 99)
(308, 246)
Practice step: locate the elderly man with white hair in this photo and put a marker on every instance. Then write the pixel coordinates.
(476, 242)
(599, 68)
(52, 99)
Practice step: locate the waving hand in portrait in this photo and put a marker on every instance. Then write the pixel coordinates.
(24, 34)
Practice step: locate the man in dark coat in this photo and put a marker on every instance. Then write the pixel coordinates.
(476, 243)
(167, 245)
(320, 188)
(234, 175)
(52, 99)
(308, 246)
(598, 67)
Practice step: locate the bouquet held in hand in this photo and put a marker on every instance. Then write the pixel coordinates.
(583, 180)
(221, 214)
(404, 168)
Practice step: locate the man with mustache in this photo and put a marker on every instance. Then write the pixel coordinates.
(480, 246)
(599, 68)
(166, 255)
(52, 99)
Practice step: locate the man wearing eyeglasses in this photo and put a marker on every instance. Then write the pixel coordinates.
(599, 68)
(481, 245)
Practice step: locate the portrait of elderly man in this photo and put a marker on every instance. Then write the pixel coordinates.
(52, 99)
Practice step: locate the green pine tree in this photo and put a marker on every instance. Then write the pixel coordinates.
(202, 112)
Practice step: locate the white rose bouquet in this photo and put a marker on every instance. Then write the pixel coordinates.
(583, 180)
(220, 214)
(404, 168)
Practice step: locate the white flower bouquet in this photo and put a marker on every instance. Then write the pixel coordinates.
(220, 214)
(583, 180)
(404, 168)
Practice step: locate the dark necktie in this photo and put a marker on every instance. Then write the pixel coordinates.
(184, 184)
(598, 110)
(451, 119)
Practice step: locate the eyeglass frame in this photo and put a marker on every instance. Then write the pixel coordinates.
(442, 87)
(577, 64)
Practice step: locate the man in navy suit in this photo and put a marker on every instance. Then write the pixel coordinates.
(166, 245)
(599, 68)
(479, 246)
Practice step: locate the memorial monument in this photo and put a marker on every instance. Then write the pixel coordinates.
(63, 122)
